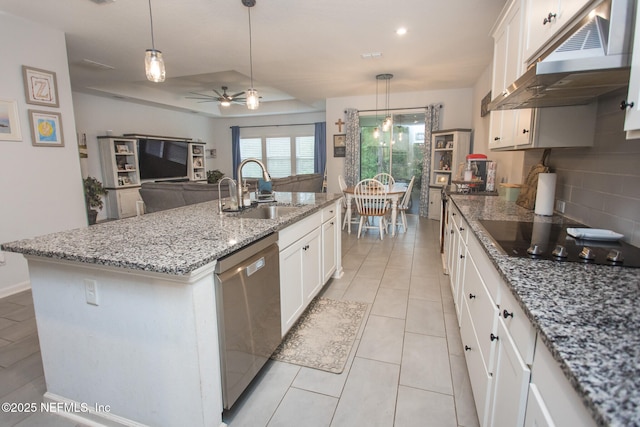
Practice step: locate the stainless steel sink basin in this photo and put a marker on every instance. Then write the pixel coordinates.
(267, 212)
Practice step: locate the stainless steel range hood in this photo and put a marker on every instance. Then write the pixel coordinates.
(592, 59)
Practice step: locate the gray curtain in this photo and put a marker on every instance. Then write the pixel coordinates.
(320, 147)
(352, 156)
(431, 123)
(235, 149)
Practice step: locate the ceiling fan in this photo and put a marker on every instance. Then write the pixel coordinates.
(223, 98)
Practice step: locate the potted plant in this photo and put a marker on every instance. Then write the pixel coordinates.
(214, 176)
(93, 192)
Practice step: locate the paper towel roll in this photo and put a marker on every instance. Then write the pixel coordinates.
(545, 194)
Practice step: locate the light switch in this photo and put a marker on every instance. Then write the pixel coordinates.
(91, 291)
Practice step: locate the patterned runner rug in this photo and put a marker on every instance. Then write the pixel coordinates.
(323, 336)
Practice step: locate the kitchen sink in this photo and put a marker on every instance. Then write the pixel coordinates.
(267, 212)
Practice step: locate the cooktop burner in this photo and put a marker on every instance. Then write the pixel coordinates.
(539, 240)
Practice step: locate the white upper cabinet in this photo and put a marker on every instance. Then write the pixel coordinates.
(632, 103)
(544, 19)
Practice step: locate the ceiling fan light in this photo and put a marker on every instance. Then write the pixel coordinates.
(225, 102)
(253, 100)
(154, 65)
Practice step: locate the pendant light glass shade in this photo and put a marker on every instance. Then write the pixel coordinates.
(376, 133)
(386, 124)
(154, 65)
(253, 100)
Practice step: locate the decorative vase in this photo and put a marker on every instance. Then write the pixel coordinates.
(92, 214)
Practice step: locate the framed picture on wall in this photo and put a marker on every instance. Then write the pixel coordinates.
(46, 129)
(339, 145)
(9, 123)
(40, 86)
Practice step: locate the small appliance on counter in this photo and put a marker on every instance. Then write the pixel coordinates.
(477, 176)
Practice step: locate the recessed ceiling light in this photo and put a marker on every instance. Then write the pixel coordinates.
(401, 31)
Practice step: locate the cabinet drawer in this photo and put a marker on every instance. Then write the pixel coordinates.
(483, 312)
(328, 212)
(478, 375)
(518, 325)
(488, 272)
(298, 230)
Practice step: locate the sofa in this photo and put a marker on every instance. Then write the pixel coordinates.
(158, 196)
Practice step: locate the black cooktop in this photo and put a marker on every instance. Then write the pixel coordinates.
(541, 240)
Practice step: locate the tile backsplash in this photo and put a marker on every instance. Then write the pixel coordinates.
(600, 184)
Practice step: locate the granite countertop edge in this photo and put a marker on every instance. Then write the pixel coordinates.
(175, 241)
(588, 344)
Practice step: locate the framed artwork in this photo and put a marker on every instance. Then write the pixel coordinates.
(484, 105)
(46, 129)
(40, 87)
(339, 145)
(442, 178)
(9, 123)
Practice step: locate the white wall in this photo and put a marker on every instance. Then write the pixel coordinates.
(40, 187)
(456, 113)
(510, 163)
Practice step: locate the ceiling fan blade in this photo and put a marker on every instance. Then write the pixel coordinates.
(237, 94)
(206, 99)
(220, 95)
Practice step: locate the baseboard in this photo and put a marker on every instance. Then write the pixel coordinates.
(15, 288)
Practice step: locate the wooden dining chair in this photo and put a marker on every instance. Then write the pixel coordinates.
(403, 207)
(371, 202)
(385, 178)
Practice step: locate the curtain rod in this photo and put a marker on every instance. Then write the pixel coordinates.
(274, 126)
(395, 109)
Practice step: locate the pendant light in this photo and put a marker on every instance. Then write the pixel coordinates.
(386, 124)
(253, 100)
(153, 62)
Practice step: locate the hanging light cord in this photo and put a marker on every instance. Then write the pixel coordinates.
(153, 45)
(250, 48)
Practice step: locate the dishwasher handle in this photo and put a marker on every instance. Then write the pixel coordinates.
(255, 266)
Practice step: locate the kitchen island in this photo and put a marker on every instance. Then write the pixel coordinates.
(126, 310)
(586, 316)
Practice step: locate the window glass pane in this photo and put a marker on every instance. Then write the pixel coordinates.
(251, 148)
(304, 154)
(279, 156)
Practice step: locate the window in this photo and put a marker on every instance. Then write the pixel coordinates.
(283, 155)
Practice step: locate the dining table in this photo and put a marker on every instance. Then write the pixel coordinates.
(394, 193)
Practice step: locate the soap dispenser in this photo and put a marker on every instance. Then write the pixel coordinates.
(246, 197)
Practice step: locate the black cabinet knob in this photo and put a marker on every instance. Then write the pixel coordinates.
(497, 138)
(467, 348)
(461, 256)
(506, 314)
(548, 19)
(471, 296)
(493, 337)
(624, 104)
(461, 228)
(525, 130)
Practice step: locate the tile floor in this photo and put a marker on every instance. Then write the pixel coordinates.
(406, 367)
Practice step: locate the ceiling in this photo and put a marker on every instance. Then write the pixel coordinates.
(304, 52)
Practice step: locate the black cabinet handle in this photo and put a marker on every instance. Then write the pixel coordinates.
(624, 104)
(548, 19)
(453, 214)
(506, 314)
(331, 223)
(461, 256)
(467, 348)
(497, 138)
(461, 228)
(493, 337)
(451, 231)
(471, 296)
(525, 130)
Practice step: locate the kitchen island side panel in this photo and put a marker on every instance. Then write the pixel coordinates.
(148, 350)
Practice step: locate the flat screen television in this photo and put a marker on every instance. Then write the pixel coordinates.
(161, 159)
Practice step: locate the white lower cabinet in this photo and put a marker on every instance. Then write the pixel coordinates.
(300, 278)
(329, 233)
(537, 413)
(121, 203)
(511, 380)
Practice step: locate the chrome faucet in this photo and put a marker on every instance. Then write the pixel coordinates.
(220, 194)
(265, 175)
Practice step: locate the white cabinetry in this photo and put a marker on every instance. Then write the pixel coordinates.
(329, 242)
(545, 19)
(310, 252)
(435, 203)
(632, 119)
(197, 167)
(506, 69)
(120, 175)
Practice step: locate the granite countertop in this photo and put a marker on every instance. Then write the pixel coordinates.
(175, 241)
(587, 315)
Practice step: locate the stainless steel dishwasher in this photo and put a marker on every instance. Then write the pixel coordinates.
(248, 302)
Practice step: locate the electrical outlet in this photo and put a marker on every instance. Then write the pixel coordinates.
(91, 291)
(560, 205)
